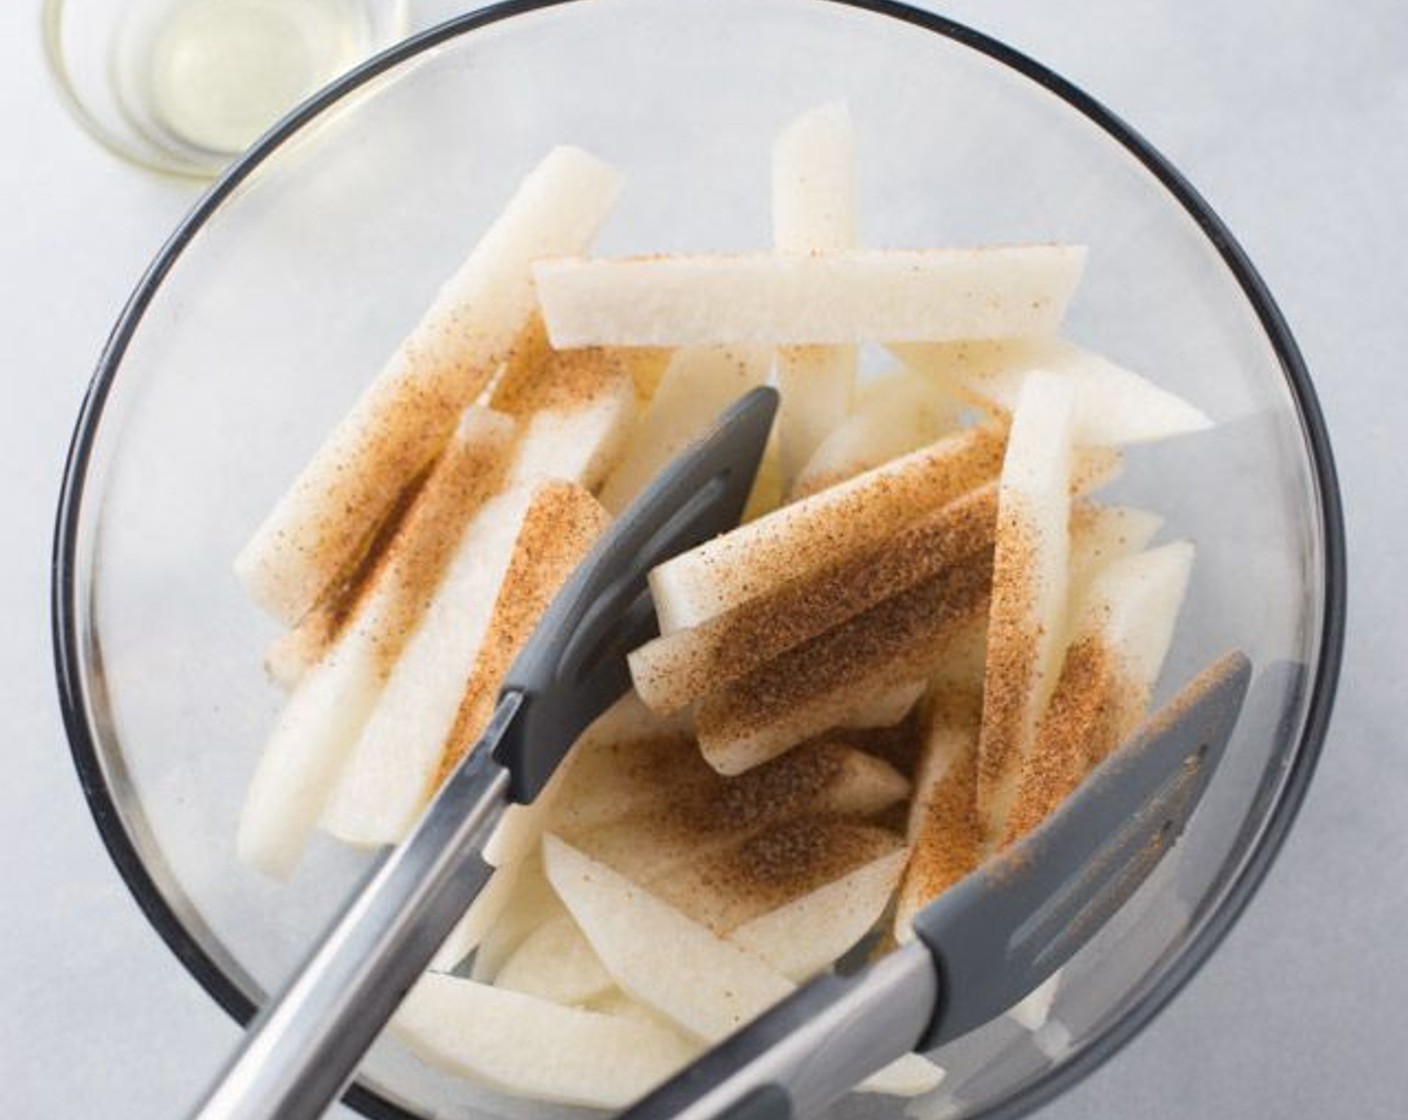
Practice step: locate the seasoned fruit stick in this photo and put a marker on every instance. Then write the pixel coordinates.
(674, 670)
(729, 886)
(1121, 634)
(810, 535)
(388, 592)
(798, 937)
(576, 407)
(814, 686)
(804, 936)
(319, 529)
(945, 834)
(879, 655)
(1029, 588)
(426, 683)
(715, 813)
(443, 703)
(706, 985)
(322, 719)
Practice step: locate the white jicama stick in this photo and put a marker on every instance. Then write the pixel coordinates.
(737, 731)
(578, 445)
(1103, 534)
(442, 691)
(629, 761)
(919, 295)
(758, 872)
(820, 684)
(521, 827)
(387, 776)
(697, 980)
(814, 182)
(1134, 603)
(705, 818)
(965, 658)
(577, 407)
(304, 756)
(483, 914)
(1033, 1009)
(1120, 636)
(529, 1047)
(618, 1003)
(767, 492)
(884, 708)
(318, 529)
(293, 653)
(796, 539)
(531, 904)
(697, 385)
(511, 902)
(658, 955)
(861, 662)
(387, 598)
(1113, 405)
(556, 963)
(945, 834)
(685, 665)
(902, 413)
(910, 1076)
(616, 732)
(561, 525)
(805, 936)
(951, 734)
(1026, 619)
(323, 718)
(813, 211)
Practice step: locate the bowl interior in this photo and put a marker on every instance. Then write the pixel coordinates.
(299, 276)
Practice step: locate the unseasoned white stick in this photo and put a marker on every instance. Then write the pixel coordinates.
(696, 386)
(919, 295)
(1113, 405)
(327, 517)
(813, 211)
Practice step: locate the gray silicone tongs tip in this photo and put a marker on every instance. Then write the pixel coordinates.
(987, 941)
(574, 666)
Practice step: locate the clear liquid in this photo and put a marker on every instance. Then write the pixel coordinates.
(212, 75)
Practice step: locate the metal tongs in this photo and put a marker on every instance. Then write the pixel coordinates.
(304, 1047)
(979, 948)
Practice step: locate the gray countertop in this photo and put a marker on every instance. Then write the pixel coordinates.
(1291, 116)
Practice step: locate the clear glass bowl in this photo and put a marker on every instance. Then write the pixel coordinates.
(295, 275)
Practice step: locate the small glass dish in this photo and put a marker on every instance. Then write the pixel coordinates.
(183, 86)
(299, 271)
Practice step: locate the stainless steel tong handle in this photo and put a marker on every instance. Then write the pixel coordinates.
(301, 1051)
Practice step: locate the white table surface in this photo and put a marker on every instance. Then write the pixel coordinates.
(1290, 115)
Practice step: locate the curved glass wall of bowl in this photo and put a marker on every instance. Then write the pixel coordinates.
(301, 271)
(183, 86)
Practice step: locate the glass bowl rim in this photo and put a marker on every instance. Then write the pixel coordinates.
(67, 612)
